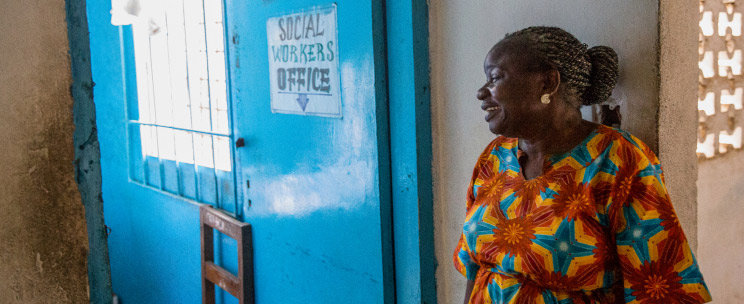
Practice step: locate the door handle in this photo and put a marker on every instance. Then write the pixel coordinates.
(240, 143)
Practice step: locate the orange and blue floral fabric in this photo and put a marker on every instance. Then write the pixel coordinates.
(596, 227)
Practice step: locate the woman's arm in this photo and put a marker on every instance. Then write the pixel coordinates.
(469, 291)
(655, 258)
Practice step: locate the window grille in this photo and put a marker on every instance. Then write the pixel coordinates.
(720, 87)
(179, 124)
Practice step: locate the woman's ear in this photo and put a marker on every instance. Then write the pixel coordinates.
(552, 82)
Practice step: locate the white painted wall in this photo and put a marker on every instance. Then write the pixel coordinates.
(461, 34)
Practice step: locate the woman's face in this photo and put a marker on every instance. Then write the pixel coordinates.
(511, 95)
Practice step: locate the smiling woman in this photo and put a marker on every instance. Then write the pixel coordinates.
(560, 209)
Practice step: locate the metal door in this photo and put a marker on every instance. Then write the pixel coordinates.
(314, 188)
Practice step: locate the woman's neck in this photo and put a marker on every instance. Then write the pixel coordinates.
(556, 136)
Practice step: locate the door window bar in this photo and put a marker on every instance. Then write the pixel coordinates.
(182, 111)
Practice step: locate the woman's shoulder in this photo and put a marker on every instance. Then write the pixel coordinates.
(502, 141)
(622, 142)
(498, 145)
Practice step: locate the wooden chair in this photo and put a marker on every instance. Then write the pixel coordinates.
(240, 286)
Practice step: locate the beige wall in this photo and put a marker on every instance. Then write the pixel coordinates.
(461, 35)
(42, 226)
(721, 225)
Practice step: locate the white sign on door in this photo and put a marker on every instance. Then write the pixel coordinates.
(303, 62)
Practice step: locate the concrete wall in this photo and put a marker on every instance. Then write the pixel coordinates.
(42, 226)
(720, 225)
(461, 35)
(677, 120)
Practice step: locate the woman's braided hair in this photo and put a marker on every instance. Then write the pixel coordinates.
(589, 75)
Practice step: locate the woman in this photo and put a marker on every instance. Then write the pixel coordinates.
(559, 209)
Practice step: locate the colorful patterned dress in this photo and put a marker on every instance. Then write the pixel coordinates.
(596, 227)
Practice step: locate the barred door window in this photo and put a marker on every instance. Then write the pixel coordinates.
(179, 125)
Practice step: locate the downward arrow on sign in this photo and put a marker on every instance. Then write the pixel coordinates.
(302, 100)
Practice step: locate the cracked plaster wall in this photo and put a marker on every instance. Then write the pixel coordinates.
(42, 224)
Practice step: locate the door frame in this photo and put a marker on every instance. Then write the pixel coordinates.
(407, 33)
(87, 152)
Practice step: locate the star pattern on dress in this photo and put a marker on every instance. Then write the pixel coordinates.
(564, 246)
(637, 233)
(476, 227)
(652, 170)
(510, 156)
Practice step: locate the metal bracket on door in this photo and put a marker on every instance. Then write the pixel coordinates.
(240, 286)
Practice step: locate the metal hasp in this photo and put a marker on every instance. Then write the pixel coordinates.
(241, 286)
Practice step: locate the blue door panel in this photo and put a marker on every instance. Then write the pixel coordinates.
(317, 214)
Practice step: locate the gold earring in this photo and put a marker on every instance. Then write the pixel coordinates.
(545, 99)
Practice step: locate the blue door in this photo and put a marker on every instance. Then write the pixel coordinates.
(312, 172)
(303, 159)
